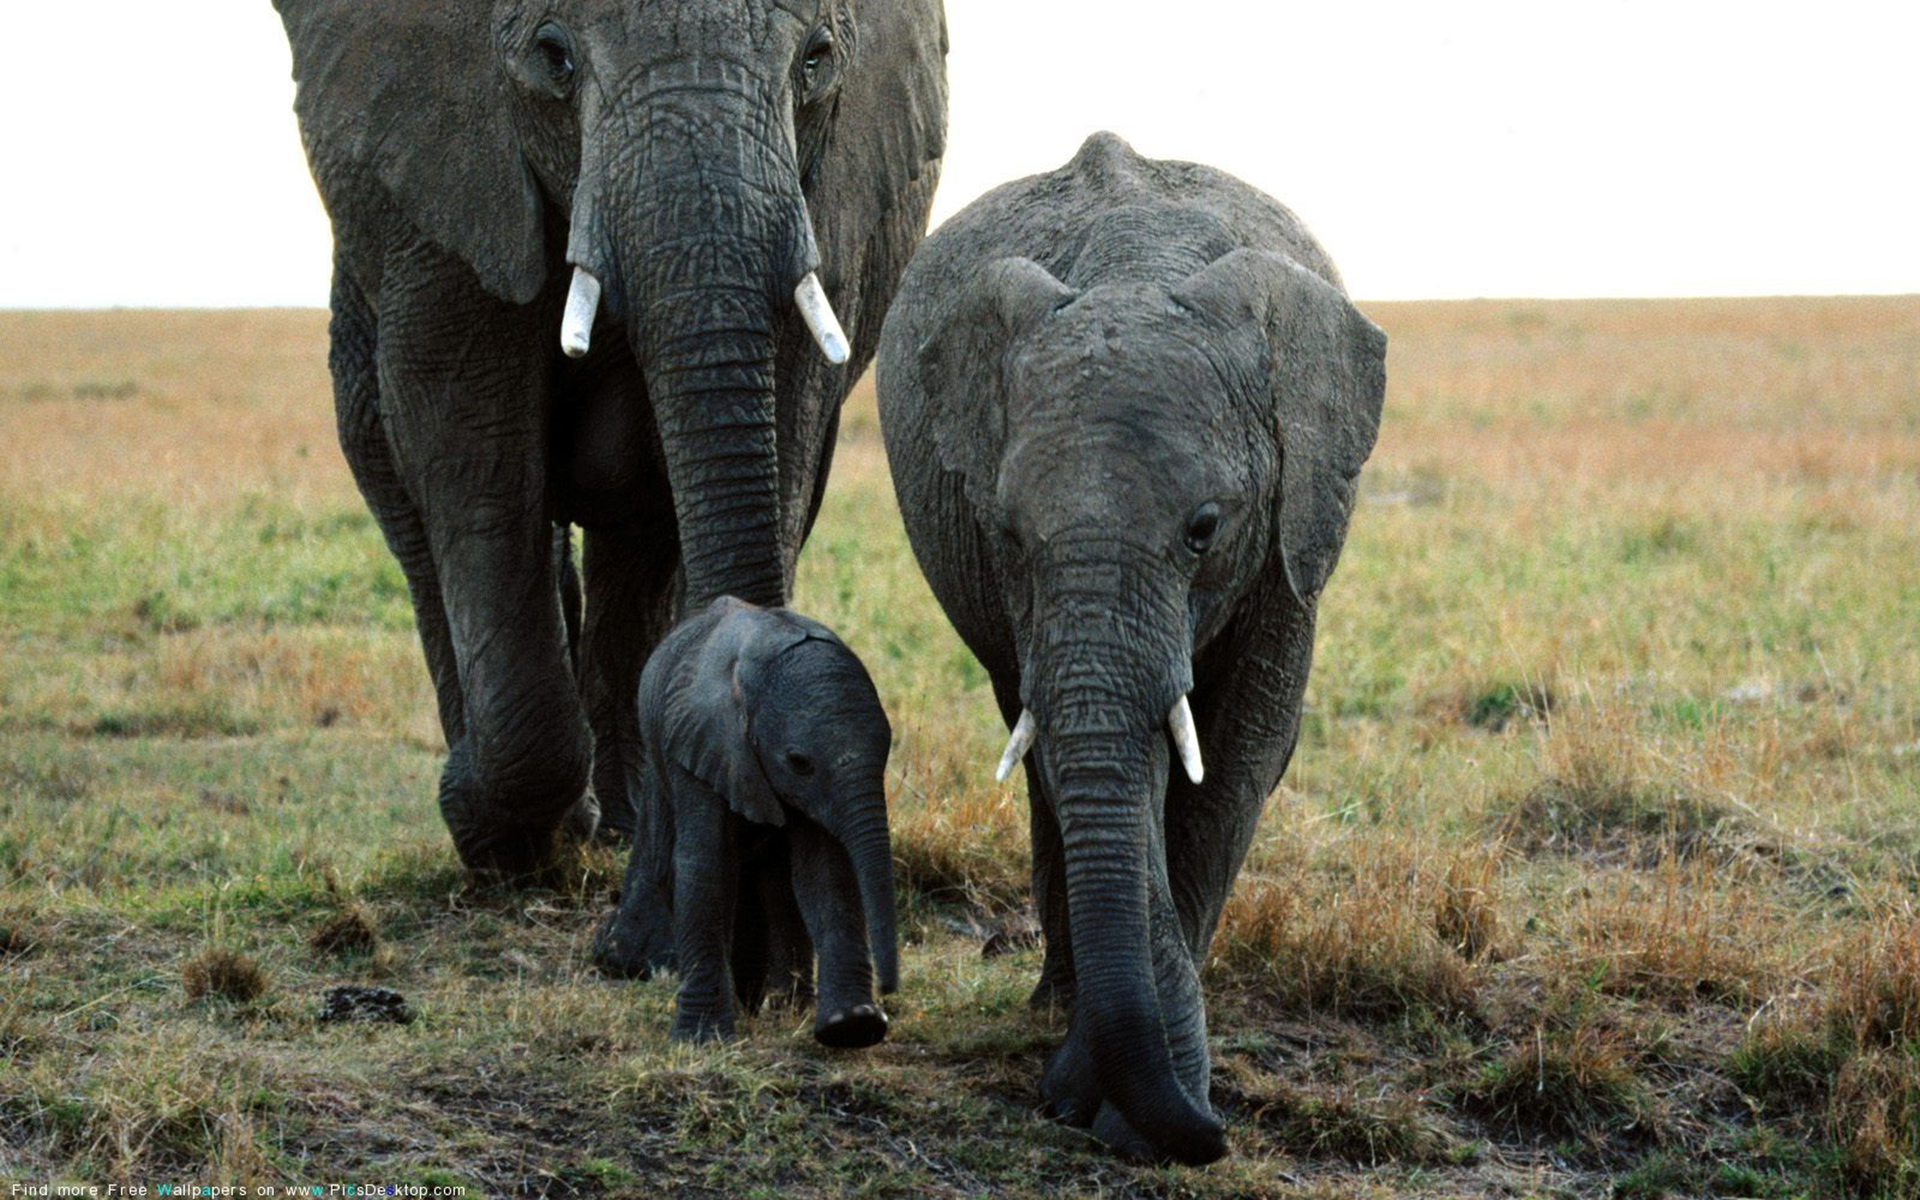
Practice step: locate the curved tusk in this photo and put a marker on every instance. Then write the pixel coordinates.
(825, 327)
(1017, 745)
(1186, 739)
(583, 304)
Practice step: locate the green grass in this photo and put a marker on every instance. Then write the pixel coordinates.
(1593, 873)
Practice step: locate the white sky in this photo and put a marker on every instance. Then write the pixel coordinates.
(1469, 148)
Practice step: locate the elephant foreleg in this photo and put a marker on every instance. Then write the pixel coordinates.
(630, 583)
(845, 1014)
(353, 360)
(706, 883)
(1248, 726)
(463, 396)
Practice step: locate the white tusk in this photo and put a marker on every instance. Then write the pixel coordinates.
(825, 327)
(1017, 746)
(1186, 739)
(583, 304)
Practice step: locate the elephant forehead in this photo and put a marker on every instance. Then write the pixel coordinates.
(1102, 356)
(674, 28)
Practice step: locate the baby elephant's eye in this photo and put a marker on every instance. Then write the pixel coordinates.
(799, 764)
(1202, 527)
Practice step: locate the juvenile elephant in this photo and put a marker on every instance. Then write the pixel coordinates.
(1125, 404)
(583, 252)
(767, 754)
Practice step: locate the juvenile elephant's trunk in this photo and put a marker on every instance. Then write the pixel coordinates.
(690, 213)
(872, 857)
(1108, 664)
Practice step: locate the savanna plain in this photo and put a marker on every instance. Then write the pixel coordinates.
(1594, 873)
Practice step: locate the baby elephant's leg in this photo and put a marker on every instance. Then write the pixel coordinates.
(705, 884)
(846, 1013)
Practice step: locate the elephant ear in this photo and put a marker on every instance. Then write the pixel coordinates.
(707, 723)
(873, 188)
(1327, 378)
(409, 91)
(962, 368)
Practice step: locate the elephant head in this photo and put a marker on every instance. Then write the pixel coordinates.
(647, 168)
(1145, 460)
(778, 716)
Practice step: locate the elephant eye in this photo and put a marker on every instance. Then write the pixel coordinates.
(555, 51)
(799, 764)
(818, 58)
(1202, 527)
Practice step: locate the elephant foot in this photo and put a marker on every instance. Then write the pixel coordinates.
(1071, 1095)
(508, 854)
(851, 1028)
(514, 849)
(626, 946)
(1068, 1089)
(1112, 1128)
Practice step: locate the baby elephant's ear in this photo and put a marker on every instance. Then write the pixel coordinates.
(962, 366)
(707, 727)
(1327, 379)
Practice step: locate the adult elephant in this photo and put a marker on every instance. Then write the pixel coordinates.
(1125, 404)
(579, 250)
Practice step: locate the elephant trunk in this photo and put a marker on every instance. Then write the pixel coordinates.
(1109, 663)
(867, 847)
(691, 217)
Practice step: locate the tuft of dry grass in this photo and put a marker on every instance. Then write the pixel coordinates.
(17, 937)
(1844, 1061)
(1341, 1122)
(1566, 1082)
(350, 932)
(1361, 945)
(966, 852)
(1466, 905)
(1609, 792)
(1678, 935)
(224, 973)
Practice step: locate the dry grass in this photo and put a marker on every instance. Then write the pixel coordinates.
(1588, 876)
(224, 973)
(1357, 940)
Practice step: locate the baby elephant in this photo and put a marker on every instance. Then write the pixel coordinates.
(766, 756)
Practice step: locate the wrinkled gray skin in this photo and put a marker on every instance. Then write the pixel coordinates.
(1125, 405)
(766, 750)
(699, 156)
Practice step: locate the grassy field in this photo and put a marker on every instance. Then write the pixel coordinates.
(1594, 874)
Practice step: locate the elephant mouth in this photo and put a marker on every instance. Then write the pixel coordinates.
(1180, 727)
(809, 296)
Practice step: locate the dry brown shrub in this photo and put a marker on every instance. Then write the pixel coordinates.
(1362, 946)
(225, 973)
(968, 848)
(1334, 1121)
(1609, 794)
(1466, 906)
(1571, 1082)
(351, 931)
(1873, 998)
(1873, 1122)
(1679, 935)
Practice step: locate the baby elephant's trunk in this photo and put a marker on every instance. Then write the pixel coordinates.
(872, 857)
